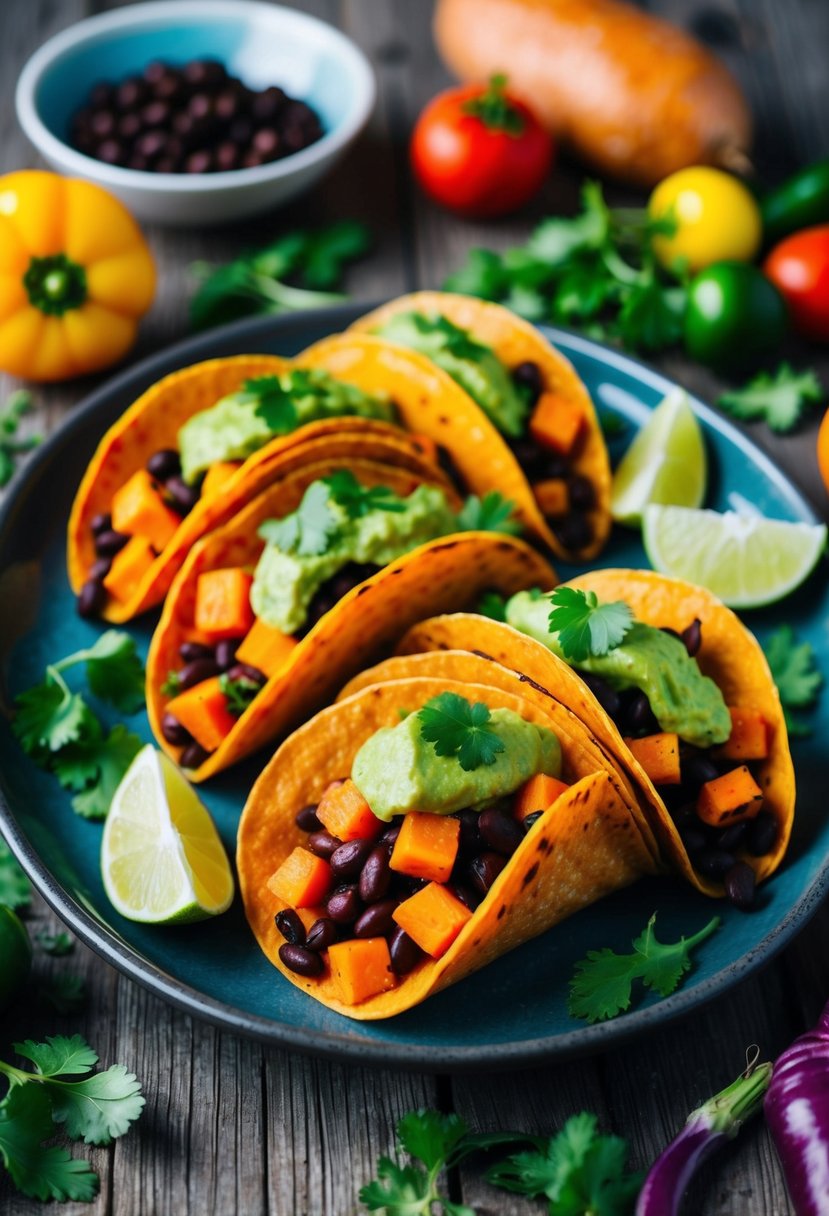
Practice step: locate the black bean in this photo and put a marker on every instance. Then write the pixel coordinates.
(322, 844)
(762, 834)
(484, 869)
(692, 637)
(466, 895)
(532, 818)
(182, 497)
(130, 93)
(102, 123)
(684, 815)
(389, 836)
(129, 125)
(300, 959)
(100, 569)
(243, 671)
(638, 718)
(376, 876)
(731, 838)
(268, 103)
(136, 161)
(607, 697)
(193, 756)
(404, 885)
(574, 532)
(290, 926)
(200, 161)
(582, 492)
(226, 653)
(713, 862)
(348, 860)
(154, 71)
(307, 820)
(698, 768)
(322, 934)
(266, 142)
(190, 651)
(91, 599)
(175, 734)
(241, 131)
(376, 921)
(107, 544)
(227, 157)
(694, 839)
(101, 523)
(528, 375)
(196, 671)
(500, 831)
(530, 455)
(163, 464)
(740, 882)
(208, 72)
(110, 151)
(405, 954)
(470, 841)
(344, 905)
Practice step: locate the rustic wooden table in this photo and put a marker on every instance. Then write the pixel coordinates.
(232, 1127)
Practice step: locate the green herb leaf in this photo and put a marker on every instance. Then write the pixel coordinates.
(114, 671)
(399, 1190)
(109, 757)
(37, 1171)
(271, 402)
(778, 398)
(17, 404)
(492, 513)
(602, 984)
(584, 626)
(65, 993)
(15, 889)
(555, 241)
(358, 500)
(309, 530)
(483, 275)
(492, 605)
(48, 717)
(59, 1055)
(430, 1135)
(100, 1108)
(652, 315)
(457, 727)
(172, 685)
(795, 672)
(58, 944)
(240, 693)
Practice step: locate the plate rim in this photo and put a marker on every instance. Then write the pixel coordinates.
(349, 1046)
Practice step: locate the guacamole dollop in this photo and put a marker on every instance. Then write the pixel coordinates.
(681, 698)
(243, 422)
(397, 770)
(476, 367)
(285, 582)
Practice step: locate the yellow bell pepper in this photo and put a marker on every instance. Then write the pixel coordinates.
(75, 276)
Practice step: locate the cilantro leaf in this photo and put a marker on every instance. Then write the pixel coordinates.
(65, 993)
(602, 984)
(398, 1190)
(110, 757)
(37, 1171)
(492, 513)
(309, 530)
(652, 315)
(556, 240)
(492, 605)
(795, 672)
(584, 626)
(779, 398)
(15, 889)
(457, 727)
(57, 944)
(58, 1055)
(114, 670)
(99, 1108)
(16, 405)
(358, 500)
(430, 1135)
(48, 716)
(240, 693)
(172, 685)
(482, 276)
(272, 403)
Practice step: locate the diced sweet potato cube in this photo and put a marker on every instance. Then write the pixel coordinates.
(427, 846)
(302, 881)
(344, 812)
(749, 738)
(139, 510)
(428, 447)
(128, 568)
(361, 968)
(203, 711)
(265, 648)
(537, 794)
(217, 475)
(730, 798)
(556, 423)
(433, 917)
(659, 756)
(552, 496)
(223, 603)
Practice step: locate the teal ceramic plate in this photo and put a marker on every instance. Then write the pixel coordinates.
(513, 1012)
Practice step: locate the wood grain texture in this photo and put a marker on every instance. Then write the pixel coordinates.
(231, 1127)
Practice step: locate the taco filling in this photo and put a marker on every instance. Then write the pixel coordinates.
(544, 429)
(700, 753)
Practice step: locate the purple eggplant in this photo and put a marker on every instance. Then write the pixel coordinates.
(797, 1112)
(708, 1127)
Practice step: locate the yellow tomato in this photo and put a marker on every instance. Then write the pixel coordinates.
(716, 218)
(75, 276)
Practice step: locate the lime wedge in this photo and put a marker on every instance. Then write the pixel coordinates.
(161, 857)
(746, 560)
(665, 463)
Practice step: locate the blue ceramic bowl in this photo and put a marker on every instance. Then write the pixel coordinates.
(262, 44)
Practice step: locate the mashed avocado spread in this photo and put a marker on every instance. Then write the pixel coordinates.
(475, 367)
(243, 422)
(397, 771)
(285, 581)
(681, 698)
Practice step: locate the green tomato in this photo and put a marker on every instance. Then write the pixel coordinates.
(15, 955)
(735, 316)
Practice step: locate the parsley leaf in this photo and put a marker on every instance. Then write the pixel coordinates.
(492, 605)
(492, 513)
(239, 693)
(358, 500)
(57, 944)
(457, 727)
(584, 626)
(37, 1171)
(15, 889)
(778, 398)
(795, 672)
(602, 984)
(309, 530)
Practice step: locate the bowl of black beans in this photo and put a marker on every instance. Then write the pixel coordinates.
(196, 111)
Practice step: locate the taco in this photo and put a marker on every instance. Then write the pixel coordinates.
(381, 859)
(684, 703)
(319, 573)
(531, 394)
(199, 444)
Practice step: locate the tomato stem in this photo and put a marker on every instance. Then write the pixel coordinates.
(55, 284)
(494, 109)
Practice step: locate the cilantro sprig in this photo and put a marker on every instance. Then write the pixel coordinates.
(457, 727)
(358, 500)
(586, 627)
(272, 402)
(779, 398)
(11, 445)
(492, 513)
(309, 530)
(602, 984)
(240, 692)
(97, 1109)
(795, 672)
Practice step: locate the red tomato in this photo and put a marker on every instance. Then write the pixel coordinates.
(799, 268)
(480, 151)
